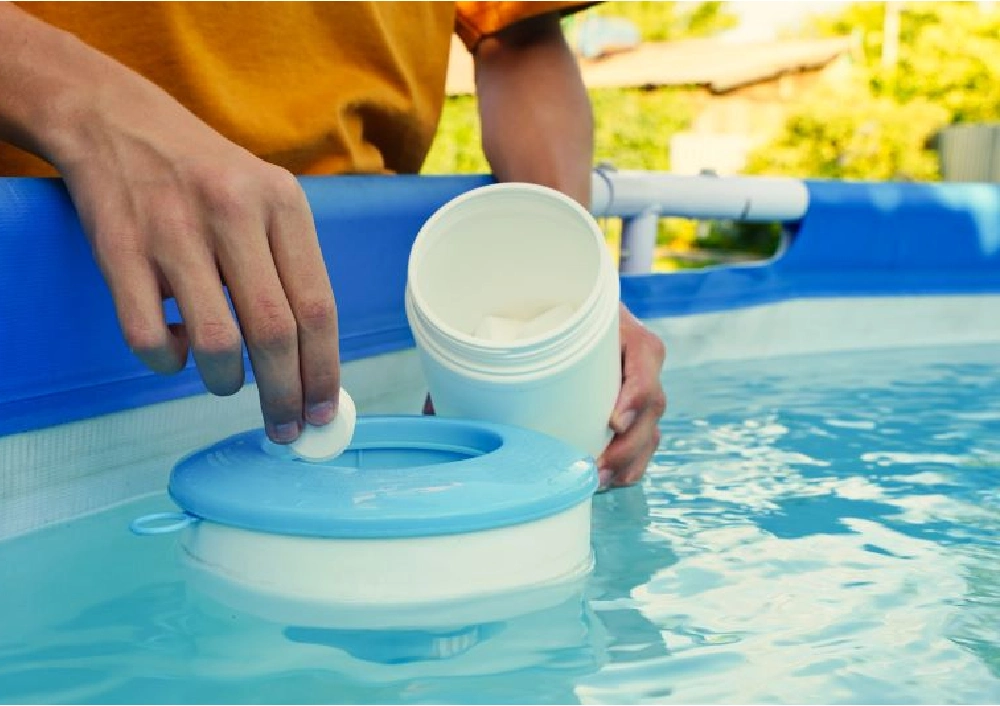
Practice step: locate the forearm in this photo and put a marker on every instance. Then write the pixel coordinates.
(42, 74)
(535, 113)
(58, 95)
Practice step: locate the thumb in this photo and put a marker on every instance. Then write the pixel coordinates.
(626, 408)
(642, 362)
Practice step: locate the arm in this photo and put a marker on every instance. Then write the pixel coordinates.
(536, 117)
(172, 208)
(538, 127)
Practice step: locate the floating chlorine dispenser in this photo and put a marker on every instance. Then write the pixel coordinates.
(415, 510)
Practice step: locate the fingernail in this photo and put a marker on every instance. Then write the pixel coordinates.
(603, 479)
(321, 413)
(285, 433)
(625, 420)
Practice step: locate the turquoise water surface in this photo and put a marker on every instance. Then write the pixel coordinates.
(812, 529)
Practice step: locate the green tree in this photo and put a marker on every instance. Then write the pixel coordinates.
(846, 133)
(669, 21)
(879, 124)
(457, 147)
(949, 54)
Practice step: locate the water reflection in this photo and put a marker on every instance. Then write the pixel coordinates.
(546, 630)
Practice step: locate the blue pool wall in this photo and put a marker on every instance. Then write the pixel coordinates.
(62, 356)
(857, 239)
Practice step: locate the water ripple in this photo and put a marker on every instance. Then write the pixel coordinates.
(814, 529)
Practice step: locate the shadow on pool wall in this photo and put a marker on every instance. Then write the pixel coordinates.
(64, 358)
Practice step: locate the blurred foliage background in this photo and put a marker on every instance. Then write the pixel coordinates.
(940, 66)
(631, 125)
(880, 124)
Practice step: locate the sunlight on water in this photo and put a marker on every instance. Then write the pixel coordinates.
(813, 529)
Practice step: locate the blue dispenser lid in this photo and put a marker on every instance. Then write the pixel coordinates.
(402, 476)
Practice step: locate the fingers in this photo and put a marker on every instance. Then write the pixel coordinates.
(266, 317)
(195, 213)
(270, 333)
(303, 275)
(136, 294)
(270, 258)
(625, 459)
(214, 337)
(641, 402)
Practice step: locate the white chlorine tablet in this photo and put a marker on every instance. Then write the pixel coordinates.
(329, 441)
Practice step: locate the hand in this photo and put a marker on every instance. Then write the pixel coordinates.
(636, 415)
(641, 402)
(173, 209)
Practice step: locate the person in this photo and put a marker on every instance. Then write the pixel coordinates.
(178, 129)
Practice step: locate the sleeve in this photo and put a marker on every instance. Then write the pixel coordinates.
(475, 20)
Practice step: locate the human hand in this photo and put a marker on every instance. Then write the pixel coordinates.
(641, 402)
(173, 209)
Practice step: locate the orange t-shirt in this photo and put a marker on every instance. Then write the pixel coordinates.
(316, 87)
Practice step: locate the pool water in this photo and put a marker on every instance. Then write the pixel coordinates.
(812, 529)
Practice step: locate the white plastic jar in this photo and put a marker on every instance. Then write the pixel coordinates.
(512, 298)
